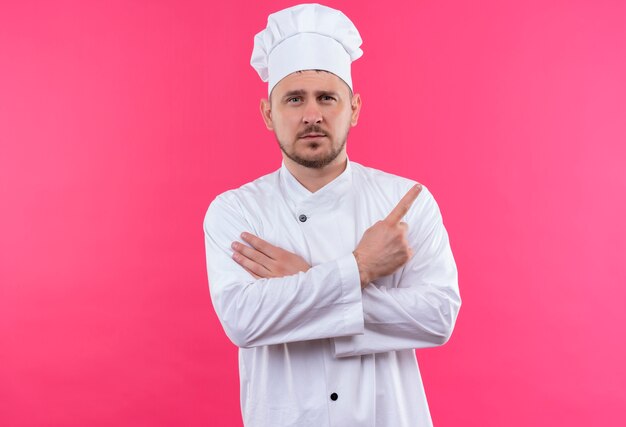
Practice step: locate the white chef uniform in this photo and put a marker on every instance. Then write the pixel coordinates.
(315, 349)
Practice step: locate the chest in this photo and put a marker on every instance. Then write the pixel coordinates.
(319, 230)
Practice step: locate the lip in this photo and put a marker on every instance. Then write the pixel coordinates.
(312, 136)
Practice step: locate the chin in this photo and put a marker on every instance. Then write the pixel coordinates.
(314, 157)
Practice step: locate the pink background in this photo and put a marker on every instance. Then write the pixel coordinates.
(121, 120)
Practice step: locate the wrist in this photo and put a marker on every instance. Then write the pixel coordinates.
(364, 273)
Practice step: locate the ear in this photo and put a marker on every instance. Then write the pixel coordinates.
(266, 113)
(355, 104)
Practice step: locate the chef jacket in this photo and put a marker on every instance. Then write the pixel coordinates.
(315, 349)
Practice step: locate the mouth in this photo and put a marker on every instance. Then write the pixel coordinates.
(312, 136)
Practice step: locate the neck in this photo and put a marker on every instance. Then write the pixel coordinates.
(314, 179)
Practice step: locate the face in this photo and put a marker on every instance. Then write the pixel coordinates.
(311, 113)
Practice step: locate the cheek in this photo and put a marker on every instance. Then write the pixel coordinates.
(284, 129)
(344, 121)
(284, 121)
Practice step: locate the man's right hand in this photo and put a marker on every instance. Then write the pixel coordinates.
(384, 247)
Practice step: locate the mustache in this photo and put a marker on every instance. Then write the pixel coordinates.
(312, 129)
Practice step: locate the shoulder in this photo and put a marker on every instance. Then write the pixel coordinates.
(248, 197)
(384, 190)
(260, 188)
(388, 186)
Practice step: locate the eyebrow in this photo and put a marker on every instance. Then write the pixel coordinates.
(318, 93)
(291, 93)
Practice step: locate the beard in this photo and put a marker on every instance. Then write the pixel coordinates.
(317, 161)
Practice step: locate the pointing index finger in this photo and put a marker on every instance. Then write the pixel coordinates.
(403, 206)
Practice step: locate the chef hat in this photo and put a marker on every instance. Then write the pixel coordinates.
(306, 37)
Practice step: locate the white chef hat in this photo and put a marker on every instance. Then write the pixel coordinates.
(306, 37)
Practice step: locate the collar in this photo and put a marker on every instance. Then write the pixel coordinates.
(300, 197)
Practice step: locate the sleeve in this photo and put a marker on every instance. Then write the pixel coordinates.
(421, 310)
(324, 302)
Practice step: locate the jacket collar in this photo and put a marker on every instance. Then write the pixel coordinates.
(299, 195)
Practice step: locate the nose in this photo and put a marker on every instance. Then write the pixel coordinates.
(311, 113)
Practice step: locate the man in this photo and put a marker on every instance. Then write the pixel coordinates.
(325, 273)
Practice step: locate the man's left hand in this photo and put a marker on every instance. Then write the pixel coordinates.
(264, 260)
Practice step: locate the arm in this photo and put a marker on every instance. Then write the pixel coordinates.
(323, 302)
(421, 309)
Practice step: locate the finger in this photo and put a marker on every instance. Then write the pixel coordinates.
(253, 274)
(251, 266)
(403, 206)
(260, 244)
(252, 254)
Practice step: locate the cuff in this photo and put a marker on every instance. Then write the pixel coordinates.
(343, 346)
(351, 296)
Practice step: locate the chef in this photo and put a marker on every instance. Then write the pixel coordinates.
(325, 273)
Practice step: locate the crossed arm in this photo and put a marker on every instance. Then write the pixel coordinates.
(282, 299)
(383, 249)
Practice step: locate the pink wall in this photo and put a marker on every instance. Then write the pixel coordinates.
(120, 121)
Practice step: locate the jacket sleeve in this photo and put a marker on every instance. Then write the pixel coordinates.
(417, 306)
(324, 302)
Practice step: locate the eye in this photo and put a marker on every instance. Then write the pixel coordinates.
(326, 98)
(294, 99)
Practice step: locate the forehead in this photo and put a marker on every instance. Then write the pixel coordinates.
(310, 80)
